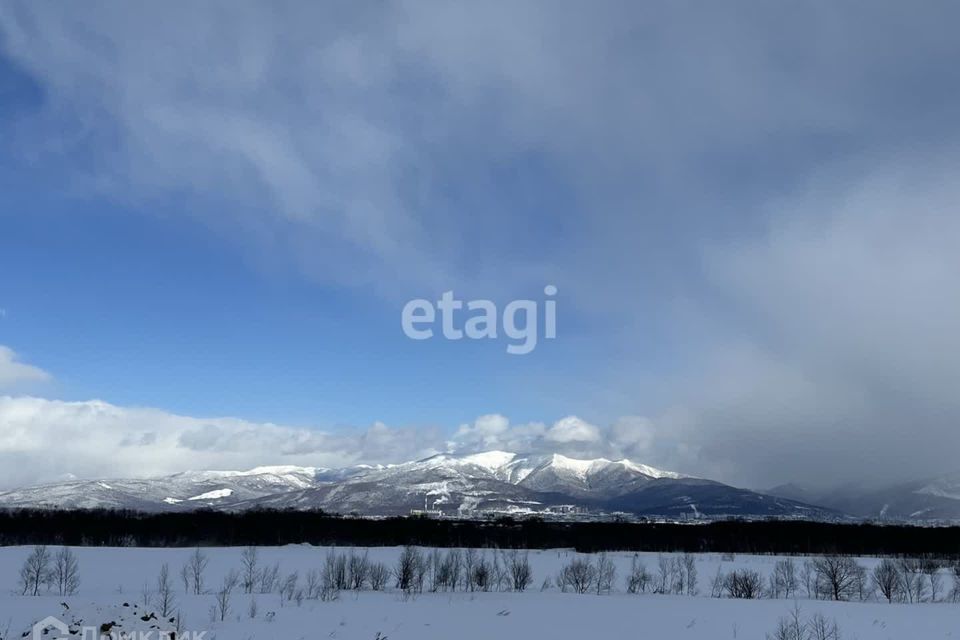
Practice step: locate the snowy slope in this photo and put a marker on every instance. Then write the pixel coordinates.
(470, 484)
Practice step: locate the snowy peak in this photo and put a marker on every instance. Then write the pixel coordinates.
(577, 468)
(538, 471)
(647, 470)
(560, 473)
(492, 460)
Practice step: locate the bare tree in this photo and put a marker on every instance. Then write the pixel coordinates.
(410, 569)
(482, 577)
(469, 562)
(605, 574)
(288, 588)
(499, 571)
(793, 627)
(436, 570)
(743, 583)
(378, 574)
(886, 580)
(314, 588)
(718, 583)
(35, 571)
(931, 568)
(836, 576)
(249, 572)
(357, 568)
(146, 593)
(790, 627)
(663, 574)
(639, 579)
(579, 575)
(783, 580)
(196, 565)
(454, 562)
(164, 598)
(689, 567)
(334, 574)
(521, 575)
(808, 579)
(819, 628)
(677, 576)
(269, 577)
(66, 572)
(912, 580)
(445, 570)
(955, 574)
(224, 593)
(861, 582)
(185, 577)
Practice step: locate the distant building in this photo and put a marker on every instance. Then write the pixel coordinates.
(565, 509)
(427, 512)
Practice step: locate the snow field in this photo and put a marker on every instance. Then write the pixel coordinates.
(111, 577)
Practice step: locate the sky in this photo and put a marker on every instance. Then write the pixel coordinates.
(214, 215)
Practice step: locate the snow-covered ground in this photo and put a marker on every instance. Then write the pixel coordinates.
(114, 582)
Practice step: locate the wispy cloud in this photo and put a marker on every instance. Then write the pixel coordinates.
(342, 138)
(16, 374)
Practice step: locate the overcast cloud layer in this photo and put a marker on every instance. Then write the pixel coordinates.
(772, 191)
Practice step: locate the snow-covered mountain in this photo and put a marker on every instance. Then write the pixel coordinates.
(191, 489)
(451, 483)
(929, 499)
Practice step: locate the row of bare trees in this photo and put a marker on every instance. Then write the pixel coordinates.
(583, 576)
(467, 570)
(908, 580)
(915, 580)
(43, 571)
(843, 578)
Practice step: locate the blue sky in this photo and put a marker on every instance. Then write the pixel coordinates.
(219, 212)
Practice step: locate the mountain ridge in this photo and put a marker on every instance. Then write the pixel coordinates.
(464, 485)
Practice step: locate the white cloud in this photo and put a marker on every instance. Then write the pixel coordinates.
(573, 429)
(50, 440)
(486, 432)
(45, 440)
(16, 374)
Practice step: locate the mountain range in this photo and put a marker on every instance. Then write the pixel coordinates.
(464, 485)
(931, 499)
(493, 482)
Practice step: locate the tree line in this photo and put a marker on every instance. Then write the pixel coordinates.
(269, 527)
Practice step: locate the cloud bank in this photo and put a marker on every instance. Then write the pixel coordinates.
(51, 440)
